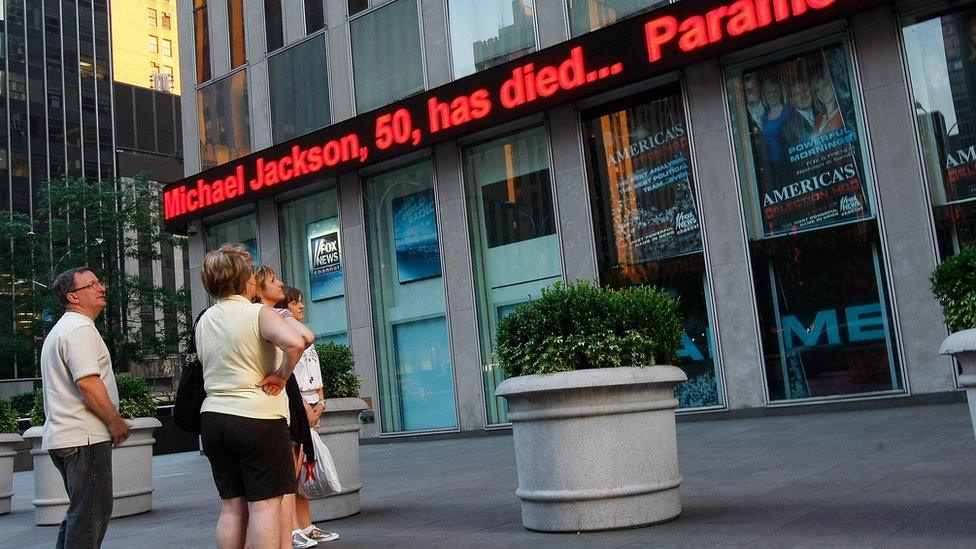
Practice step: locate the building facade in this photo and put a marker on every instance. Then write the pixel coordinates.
(145, 45)
(792, 170)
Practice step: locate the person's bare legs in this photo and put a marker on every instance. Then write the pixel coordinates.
(263, 528)
(232, 524)
(285, 518)
(303, 515)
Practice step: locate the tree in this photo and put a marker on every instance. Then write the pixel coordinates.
(108, 226)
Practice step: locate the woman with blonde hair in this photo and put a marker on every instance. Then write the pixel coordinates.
(247, 351)
(269, 290)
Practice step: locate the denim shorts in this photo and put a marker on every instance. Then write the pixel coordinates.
(249, 457)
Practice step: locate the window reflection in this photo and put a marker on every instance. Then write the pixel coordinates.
(201, 36)
(648, 229)
(590, 15)
(224, 120)
(819, 274)
(515, 248)
(941, 54)
(379, 55)
(485, 33)
(299, 85)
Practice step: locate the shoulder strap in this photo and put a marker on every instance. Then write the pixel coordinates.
(192, 347)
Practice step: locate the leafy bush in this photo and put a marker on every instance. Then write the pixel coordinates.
(954, 285)
(8, 418)
(37, 411)
(581, 326)
(22, 403)
(135, 399)
(338, 370)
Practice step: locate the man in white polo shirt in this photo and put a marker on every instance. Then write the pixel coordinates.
(81, 407)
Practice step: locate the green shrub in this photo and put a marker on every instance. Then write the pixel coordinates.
(581, 325)
(338, 370)
(8, 417)
(954, 285)
(37, 410)
(135, 399)
(22, 403)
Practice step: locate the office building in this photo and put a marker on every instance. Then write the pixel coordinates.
(793, 170)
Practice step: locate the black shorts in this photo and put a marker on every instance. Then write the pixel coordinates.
(249, 457)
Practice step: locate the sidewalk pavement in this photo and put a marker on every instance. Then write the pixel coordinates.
(897, 477)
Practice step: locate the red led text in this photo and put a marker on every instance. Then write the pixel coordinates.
(460, 110)
(186, 198)
(526, 84)
(733, 20)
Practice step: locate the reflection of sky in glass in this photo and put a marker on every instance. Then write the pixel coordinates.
(480, 20)
(930, 74)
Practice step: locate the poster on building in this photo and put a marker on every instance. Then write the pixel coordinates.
(418, 253)
(805, 142)
(324, 260)
(647, 176)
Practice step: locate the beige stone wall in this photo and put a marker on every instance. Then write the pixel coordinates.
(131, 29)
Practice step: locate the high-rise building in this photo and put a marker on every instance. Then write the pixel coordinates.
(792, 170)
(57, 88)
(145, 50)
(62, 113)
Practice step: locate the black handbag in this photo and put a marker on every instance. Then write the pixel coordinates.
(190, 394)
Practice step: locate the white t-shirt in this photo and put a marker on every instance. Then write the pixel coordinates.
(307, 372)
(73, 350)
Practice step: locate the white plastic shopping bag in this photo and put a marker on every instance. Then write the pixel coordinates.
(321, 480)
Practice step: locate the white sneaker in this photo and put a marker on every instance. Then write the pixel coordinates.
(300, 541)
(318, 534)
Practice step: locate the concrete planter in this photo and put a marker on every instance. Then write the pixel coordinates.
(8, 451)
(132, 482)
(339, 428)
(595, 449)
(962, 346)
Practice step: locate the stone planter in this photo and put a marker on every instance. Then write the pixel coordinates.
(8, 451)
(132, 482)
(595, 449)
(339, 428)
(962, 346)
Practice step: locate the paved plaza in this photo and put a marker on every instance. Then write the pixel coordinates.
(897, 477)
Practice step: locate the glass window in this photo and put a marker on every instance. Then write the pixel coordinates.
(201, 35)
(413, 358)
(152, 17)
(515, 249)
(299, 84)
(312, 261)
(224, 121)
(647, 226)
(153, 44)
(816, 256)
(242, 230)
(386, 55)
(167, 21)
(488, 33)
(235, 23)
(167, 48)
(941, 54)
(356, 6)
(272, 24)
(589, 15)
(314, 16)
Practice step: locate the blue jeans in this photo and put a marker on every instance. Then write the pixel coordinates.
(87, 475)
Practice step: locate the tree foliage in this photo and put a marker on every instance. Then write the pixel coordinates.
(109, 226)
(954, 285)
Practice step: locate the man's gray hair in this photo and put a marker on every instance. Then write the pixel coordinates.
(65, 282)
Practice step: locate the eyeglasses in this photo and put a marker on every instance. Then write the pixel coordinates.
(93, 284)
